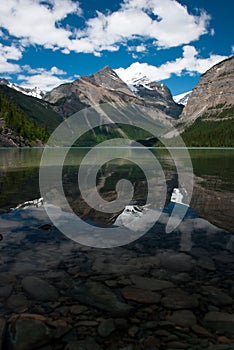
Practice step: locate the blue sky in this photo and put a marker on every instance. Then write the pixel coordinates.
(46, 43)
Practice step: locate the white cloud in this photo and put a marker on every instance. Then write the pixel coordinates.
(166, 22)
(141, 48)
(54, 70)
(172, 27)
(138, 48)
(42, 78)
(9, 53)
(37, 22)
(176, 26)
(189, 63)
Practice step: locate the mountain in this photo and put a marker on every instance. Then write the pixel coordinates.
(39, 110)
(155, 94)
(182, 98)
(108, 79)
(206, 120)
(87, 91)
(212, 97)
(106, 86)
(24, 120)
(16, 127)
(35, 92)
(208, 117)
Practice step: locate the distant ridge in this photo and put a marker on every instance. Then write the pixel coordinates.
(35, 92)
(207, 119)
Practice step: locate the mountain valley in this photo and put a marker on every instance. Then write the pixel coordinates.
(205, 120)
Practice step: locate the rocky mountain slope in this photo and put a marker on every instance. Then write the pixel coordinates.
(158, 95)
(207, 119)
(212, 97)
(106, 86)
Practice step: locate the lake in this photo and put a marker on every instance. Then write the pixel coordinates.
(212, 196)
(60, 285)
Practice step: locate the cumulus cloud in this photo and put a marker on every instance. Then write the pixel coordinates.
(40, 77)
(189, 63)
(137, 48)
(37, 22)
(54, 70)
(9, 53)
(166, 22)
(136, 25)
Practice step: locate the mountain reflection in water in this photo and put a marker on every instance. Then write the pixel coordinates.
(212, 197)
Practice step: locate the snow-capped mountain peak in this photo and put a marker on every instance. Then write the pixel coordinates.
(141, 80)
(155, 93)
(34, 92)
(182, 98)
(138, 80)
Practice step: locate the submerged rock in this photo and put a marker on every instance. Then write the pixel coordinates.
(17, 302)
(179, 262)
(39, 289)
(147, 295)
(220, 321)
(106, 327)
(101, 297)
(183, 318)
(27, 334)
(216, 296)
(151, 283)
(140, 295)
(6, 291)
(178, 299)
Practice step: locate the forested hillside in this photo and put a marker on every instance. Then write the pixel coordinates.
(40, 111)
(15, 122)
(211, 133)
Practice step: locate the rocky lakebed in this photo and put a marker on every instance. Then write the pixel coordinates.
(163, 291)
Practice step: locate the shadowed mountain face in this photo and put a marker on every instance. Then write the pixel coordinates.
(106, 86)
(158, 95)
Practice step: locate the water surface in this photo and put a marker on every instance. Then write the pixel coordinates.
(213, 169)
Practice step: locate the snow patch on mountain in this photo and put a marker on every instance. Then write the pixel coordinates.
(138, 80)
(182, 98)
(35, 92)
